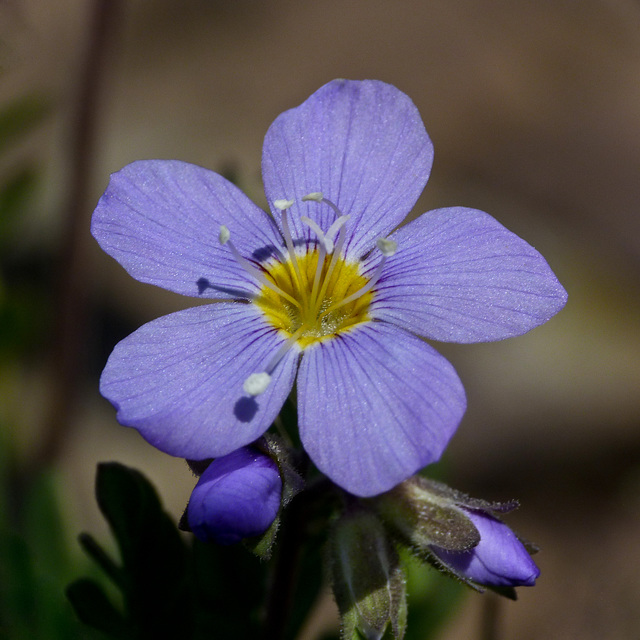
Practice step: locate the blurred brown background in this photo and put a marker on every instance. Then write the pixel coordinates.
(534, 111)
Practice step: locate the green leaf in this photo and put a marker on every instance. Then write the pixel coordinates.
(228, 590)
(35, 563)
(96, 610)
(152, 577)
(101, 558)
(150, 545)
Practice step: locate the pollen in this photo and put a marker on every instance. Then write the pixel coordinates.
(323, 293)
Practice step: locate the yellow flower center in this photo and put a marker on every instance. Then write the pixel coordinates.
(311, 297)
(314, 306)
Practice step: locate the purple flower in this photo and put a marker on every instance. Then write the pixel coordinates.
(238, 496)
(499, 559)
(319, 292)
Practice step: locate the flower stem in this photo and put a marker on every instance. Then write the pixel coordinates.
(285, 571)
(69, 334)
(298, 541)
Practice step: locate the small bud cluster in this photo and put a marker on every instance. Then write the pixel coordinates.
(241, 496)
(458, 535)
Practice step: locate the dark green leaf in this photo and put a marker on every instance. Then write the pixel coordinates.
(153, 576)
(101, 558)
(96, 610)
(228, 590)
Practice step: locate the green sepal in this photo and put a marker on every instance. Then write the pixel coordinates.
(262, 546)
(462, 499)
(368, 580)
(421, 514)
(292, 484)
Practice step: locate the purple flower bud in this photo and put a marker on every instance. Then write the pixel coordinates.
(499, 559)
(237, 497)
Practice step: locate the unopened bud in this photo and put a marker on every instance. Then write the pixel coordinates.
(421, 513)
(237, 497)
(460, 535)
(368, 581)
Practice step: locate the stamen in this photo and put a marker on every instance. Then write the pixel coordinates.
(283, 205)
(257, 383)
(322, 254)
(317, 196)
(225, 239)
(224, 235)
(281, 352)
(288, 240)
(336, 226)
(387, 248)
(327, 243)
(339, 225)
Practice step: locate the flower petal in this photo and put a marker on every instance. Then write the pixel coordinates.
(499, 559)
(459, 276)
(375, 405)
(160, 219)
(178, 380)
(360, 143)
(238, 496)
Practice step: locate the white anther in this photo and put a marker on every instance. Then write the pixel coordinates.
(256, 383)
(283, 205)
(387, 247)
(316, 196)
(224, 235)
(327, 243)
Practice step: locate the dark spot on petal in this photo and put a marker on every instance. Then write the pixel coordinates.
(203, 285)
(245, 409)
(264, 253)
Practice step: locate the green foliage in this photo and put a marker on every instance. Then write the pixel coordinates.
(35, 562)
(170, 586)
(152, 573)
